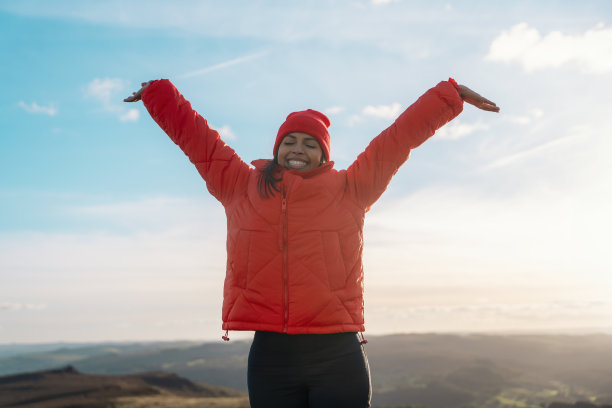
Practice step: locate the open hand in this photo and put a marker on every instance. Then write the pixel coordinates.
(478, 101)
(136, 96)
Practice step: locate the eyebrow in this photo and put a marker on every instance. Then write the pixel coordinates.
(307, 138)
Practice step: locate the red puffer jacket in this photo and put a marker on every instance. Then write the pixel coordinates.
(294, 259)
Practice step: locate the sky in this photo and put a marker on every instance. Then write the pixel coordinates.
(498, 223)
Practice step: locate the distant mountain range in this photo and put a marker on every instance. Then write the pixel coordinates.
(429, 370)
(66, 387)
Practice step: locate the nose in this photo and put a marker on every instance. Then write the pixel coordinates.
(297, 148)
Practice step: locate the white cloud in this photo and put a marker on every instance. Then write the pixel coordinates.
(536, 113)
(535, 313)
(541, 310)
(383, 111)
(226, 132)
(156, 257)
(21, 306)
(592, 50)
(353, 120)
(131, 115)
(529, 153)
(525, 119)
(431, 255)
(387, 112)
(458, 130)
(108, 92)
(105, 90)
(184, 216)
(283, 22)
(381, 2)
(531, 238)
(225, 64)
(334, 110)
(36, 108)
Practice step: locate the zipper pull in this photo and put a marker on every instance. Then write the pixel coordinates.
(284, 199)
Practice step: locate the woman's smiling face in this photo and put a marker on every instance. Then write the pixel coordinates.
(299, 151)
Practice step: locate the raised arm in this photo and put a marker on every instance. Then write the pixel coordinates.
(370, 174)
(219, 165)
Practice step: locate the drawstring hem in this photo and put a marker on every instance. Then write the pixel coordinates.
(225, 337)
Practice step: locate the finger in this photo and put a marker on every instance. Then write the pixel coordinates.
(490, 108)
(488, 101)
(479, 100)
(482, 103)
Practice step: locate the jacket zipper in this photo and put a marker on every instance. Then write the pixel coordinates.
(285, 290)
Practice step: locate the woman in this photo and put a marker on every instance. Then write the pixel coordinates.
(294, 239)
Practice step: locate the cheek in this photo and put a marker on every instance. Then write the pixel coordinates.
(316, 156)
(281, 153)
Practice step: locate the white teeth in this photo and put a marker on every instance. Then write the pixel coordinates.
(296, 163)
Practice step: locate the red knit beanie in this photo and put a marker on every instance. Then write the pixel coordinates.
(311, 122)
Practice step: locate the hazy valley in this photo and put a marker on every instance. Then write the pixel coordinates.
(425, 370)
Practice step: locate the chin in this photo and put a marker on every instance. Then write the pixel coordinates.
(305, 168)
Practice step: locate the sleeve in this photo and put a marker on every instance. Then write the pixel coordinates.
(369, 176)
(223, 170)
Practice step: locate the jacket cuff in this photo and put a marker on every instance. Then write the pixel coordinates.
(452, 81)
(152, 86)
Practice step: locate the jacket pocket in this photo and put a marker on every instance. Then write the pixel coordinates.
(334, 260)
(240, 258)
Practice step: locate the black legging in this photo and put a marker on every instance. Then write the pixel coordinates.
(308, 370)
